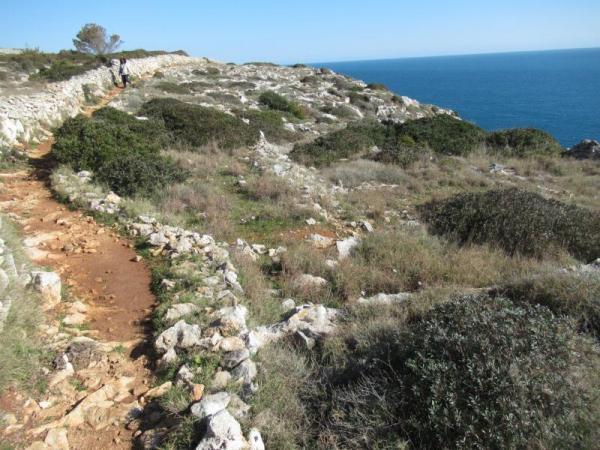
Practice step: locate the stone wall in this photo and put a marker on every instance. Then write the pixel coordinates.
(26, 118)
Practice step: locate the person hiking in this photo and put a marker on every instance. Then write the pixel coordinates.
(124, 72)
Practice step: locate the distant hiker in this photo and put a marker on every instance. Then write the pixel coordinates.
(124, 72)
(112, 67)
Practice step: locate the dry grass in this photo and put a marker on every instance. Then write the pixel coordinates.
(20, 350)
(408, 259)
(354, 173)
(263, 306)
(278, 407)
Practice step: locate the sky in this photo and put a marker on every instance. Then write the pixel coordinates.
(287, 32)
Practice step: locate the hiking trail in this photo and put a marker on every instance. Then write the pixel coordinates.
(107, 299)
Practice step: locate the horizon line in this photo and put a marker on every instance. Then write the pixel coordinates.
(453, 55)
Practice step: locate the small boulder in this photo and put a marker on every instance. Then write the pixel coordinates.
(181, 335)
(232, 359)
(345, 246)
(255, 440)
(223, 433)
(179, 310)
(211, 405)
(49, 285)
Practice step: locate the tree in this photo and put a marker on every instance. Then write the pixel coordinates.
(93, 38)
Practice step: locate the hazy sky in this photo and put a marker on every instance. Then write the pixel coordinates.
(309, 30)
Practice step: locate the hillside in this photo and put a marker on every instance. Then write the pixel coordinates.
(331, 265)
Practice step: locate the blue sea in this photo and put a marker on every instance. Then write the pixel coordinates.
(557, 91)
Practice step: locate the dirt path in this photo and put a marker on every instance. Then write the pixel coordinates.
(115, 303)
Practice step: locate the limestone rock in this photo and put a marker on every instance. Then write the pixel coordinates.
(345, 246)
(56, 439)
(385, 299)
(223, 433)
(179, 336)
(255, 440)
(179, 310)
(49, 285)
(232, 359)
(307, 281)
(245, 371)
(211, 405)
(231, 344)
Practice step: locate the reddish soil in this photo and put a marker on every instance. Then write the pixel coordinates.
(98, 267)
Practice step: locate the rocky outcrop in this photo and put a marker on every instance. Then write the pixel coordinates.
(23, 118)
(586, 149)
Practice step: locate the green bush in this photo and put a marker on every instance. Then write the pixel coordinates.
(377, 87)
(444, 134)
(355, 141)
(403, 151)
(473, 372)
(270, 123)
(173, 88)
(351, 141)
(121, 151)
(517, 221)
(198, 126)
(64, 70)
(522, 142)
(573, 294)
(278, 102)
(362, 101)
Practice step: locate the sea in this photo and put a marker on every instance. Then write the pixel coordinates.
(557, 91)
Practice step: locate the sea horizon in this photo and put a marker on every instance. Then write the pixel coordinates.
(554, 90)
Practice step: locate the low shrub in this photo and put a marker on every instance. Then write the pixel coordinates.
(363, 101)
(173, 88)
(377, 87)
(517, 221)
(473, 372)
(444, 134)
(356, 139)
(270, 123)
(197, 125)
(278, 102)
(522, 142)
(120, 150)
(574, 294)
(63, 70)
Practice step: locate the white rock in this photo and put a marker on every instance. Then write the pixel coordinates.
(179, 310)
(367, 226)
(255, 440)
(223, 433)
(245, 371)
(181, 335)
(344, 247)
(385, 299)
(49, 285)
(307, 281)
(211, 405)
(288, 304)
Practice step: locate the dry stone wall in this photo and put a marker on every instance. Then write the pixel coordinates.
(26, 118)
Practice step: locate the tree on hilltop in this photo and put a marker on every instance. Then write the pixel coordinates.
(93, 38)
